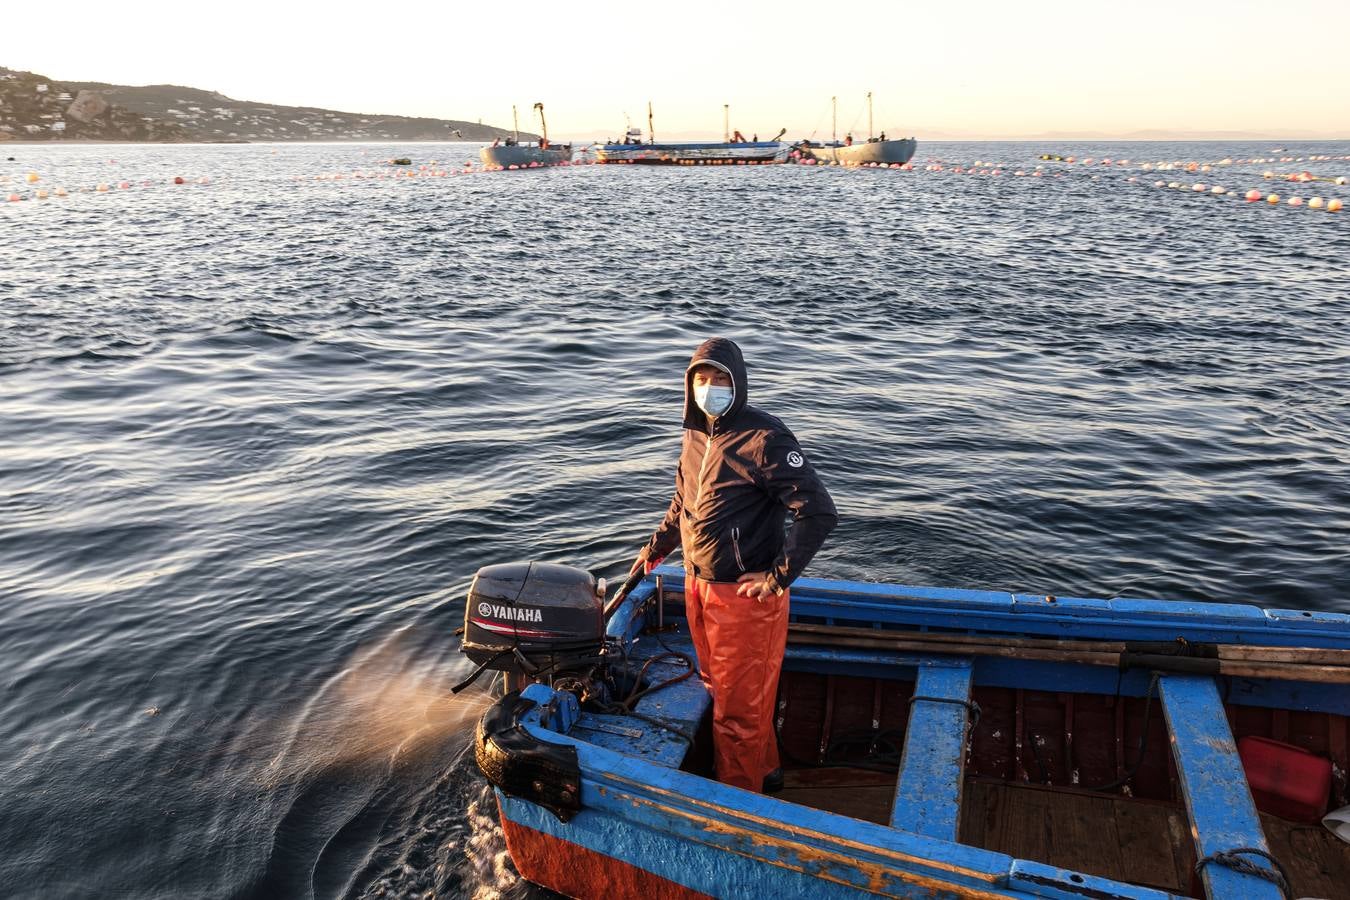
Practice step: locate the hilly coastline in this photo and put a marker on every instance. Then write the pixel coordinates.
(34, 107)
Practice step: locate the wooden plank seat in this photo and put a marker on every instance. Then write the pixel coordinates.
(932, 769)
(1219, 803)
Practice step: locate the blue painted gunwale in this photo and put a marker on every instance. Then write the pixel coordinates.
(724, 841)
(975, 612)
(1123, 619)
(1069, 678)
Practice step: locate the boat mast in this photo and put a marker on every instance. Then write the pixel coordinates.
(869, 115)
(834, 120)
(651, 128)
(515, 117)
(542, 121)
(726, 123)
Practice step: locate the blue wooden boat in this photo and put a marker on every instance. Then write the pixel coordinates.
(936, 743)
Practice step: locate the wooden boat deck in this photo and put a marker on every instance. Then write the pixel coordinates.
(1137, 841)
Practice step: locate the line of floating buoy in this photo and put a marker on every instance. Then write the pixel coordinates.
(1193, 165)
(1254, 195)
(1304, 177)
(101, 187)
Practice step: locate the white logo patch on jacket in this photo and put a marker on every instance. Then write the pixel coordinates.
(795, 459)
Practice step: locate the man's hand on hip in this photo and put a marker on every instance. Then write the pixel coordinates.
(756, 585)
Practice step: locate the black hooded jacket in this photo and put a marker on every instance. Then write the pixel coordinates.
(739, 474)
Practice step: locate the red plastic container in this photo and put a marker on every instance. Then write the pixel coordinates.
(1286, 781)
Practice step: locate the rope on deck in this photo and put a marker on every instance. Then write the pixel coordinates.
(970, 705)
(1230, 859)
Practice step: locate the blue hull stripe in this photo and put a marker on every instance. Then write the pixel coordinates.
(1116, 619)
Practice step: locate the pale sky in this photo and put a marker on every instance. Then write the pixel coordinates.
(965, 68)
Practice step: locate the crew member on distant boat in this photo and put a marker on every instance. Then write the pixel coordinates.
(737, 137)
(740, 472)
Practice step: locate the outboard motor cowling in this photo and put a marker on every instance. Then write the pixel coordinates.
(533, 618)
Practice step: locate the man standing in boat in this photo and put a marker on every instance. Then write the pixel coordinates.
(741, 471)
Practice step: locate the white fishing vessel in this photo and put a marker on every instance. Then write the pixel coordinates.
(850, 153)
(514, 154)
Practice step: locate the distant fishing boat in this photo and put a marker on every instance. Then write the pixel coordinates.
(935, 743)
(514, 154)
(849, 153)
(729, 151)
(695, 154)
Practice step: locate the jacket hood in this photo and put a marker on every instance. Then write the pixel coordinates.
(723, 353)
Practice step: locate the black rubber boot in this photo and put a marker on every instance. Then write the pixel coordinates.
(773, 782)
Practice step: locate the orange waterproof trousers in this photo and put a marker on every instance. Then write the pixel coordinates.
(740, 643)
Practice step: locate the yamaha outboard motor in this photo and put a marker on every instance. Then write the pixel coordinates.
(535, 619)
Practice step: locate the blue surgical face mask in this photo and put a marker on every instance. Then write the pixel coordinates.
(714, 399)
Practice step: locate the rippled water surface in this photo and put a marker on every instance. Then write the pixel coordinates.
(257, 434)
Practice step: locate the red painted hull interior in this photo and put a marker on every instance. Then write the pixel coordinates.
(1036, 737)
(1034, 760)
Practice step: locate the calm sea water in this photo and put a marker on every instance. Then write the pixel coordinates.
(256, 435)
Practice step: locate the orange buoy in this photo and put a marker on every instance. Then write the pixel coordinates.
(101, 188)
(41, 194)
(178, 179)
(1315, 203)
(13, 198)
(1273, 198)
(1253, 196)
(1295, 201)
(32, 178)
(1334, 205)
